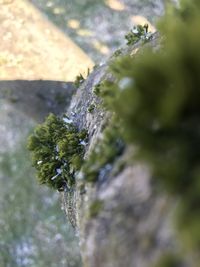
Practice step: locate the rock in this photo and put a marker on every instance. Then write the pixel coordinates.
(132, 224)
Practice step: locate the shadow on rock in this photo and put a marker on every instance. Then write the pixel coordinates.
(37, 98)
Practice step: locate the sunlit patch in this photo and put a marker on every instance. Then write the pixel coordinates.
(6, 1)
(142, 20)
(134, 51)
(85, 32)
(115, 4)
(9, 59)
(73, 24)
(101, 47)
(58, 10)
(49, 4)
(23, 39)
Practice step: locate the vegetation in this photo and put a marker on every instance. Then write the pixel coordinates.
(138, 32)
(169, 260)
(91, 108)
(98, 164)
(156, 98)
(79, 80)
(57, 151)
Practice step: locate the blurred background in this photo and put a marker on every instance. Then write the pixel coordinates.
(49, 42)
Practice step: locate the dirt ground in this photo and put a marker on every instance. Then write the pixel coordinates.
(33, 48)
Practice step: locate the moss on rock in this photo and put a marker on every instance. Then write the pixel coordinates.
(57, 151)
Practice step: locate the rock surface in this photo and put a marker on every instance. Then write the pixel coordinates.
(134, 226)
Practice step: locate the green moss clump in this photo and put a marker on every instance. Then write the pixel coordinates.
(97, 89)
(57, 151)
(79, 80)
(117, 53)
(138, 32)
(104, 153)
(169, 260)
(91, 108)
(156, 96)
(95, 208)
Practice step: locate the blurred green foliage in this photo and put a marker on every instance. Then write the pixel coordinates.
(169, 260)
(138, 32)
(57, 151)
(156, 96)
(79, 80)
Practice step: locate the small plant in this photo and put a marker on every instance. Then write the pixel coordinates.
(137, 33)
(97, 89)
(168, 260)
(91, 108)
(117, 53)
(57, 149)
(79, 80)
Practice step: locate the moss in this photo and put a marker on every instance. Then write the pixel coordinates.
(95, 208)
(97, 89)
(168, 260)
(57, 151)
(82, 189)
(138, 32)
(117, 53)
(91, 108)
(99, 161)
(79, 80)
(156, 98)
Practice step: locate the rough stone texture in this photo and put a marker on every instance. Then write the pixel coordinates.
(134, 227)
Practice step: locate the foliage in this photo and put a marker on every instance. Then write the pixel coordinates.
(168, 260)
(79, 80)
(57, 151)
(91, 108)
(138, 32)
(98, 163)
(156, 96)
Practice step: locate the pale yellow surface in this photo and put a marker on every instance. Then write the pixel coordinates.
(142, 20)
(33, 48)
(115, 5)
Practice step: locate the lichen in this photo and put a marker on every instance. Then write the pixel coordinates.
(117, 53)
(57, 151)
(96, 89)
